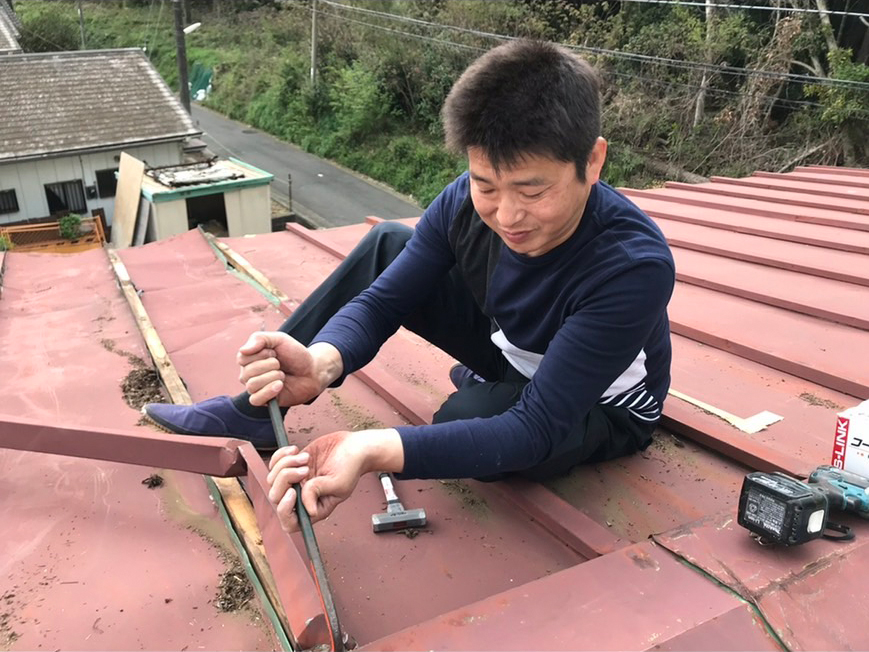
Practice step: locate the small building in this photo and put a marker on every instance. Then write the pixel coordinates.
(226, 197)
(65, 118)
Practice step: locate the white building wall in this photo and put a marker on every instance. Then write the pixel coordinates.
(248, 211)
(170, 218)
(28, 178)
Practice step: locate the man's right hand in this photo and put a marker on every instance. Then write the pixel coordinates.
(273, 364)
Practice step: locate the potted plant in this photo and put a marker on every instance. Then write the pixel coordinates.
(70, 226)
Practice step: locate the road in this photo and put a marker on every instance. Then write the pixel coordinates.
(323, 193)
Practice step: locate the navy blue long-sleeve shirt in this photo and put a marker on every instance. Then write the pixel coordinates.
(586, 322)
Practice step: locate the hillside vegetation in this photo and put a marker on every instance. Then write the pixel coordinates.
(688, 90)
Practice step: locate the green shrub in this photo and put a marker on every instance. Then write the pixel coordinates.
(5, 243)
(358, 102)
(49, 29)
(70, 226)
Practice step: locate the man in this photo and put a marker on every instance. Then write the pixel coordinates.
(560, 285)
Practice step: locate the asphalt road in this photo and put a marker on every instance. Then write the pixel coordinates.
(324, 194)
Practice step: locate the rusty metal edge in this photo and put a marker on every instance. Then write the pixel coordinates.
(293, 580)
(562, 520)
(294, 586)
(218, 456)
(239, 266)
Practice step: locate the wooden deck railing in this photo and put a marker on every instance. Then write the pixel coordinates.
(45, 237)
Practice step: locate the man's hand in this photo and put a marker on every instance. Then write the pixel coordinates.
(276, 365)
(328, 470)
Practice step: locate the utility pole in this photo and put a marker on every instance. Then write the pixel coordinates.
(81, 24)
(314, 43)
(181, 49)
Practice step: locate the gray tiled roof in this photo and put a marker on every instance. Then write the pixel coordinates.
(8, 31)
(6, 8)
(71, 101)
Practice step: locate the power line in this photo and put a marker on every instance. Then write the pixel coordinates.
(148, 23)
(407, 34)
(730, 70)
(722, 92)
(157, 24)
(672, 84)
(796, 10)
(676, 63)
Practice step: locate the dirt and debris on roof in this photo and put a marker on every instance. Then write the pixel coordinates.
(770, 314)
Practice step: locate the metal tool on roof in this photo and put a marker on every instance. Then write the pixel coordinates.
(782, 510)
(396, 517)
(845, 491)
(307, 530)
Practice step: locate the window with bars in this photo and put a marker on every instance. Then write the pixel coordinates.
(8, 202)
(66, 196)
(107, 183)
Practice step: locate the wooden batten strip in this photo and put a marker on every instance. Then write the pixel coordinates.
(241, 263)
(235, 499)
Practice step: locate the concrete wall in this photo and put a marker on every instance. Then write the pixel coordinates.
(248, 211)
(28, 178)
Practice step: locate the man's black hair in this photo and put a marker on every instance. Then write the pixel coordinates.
(525, 98)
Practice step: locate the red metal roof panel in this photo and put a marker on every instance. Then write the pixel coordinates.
(854, 180)
(505, 565)
(808, 593)
(785, 182)
(91, 558)
(792, 197)
(830, 237)
(636, 598)
(807, 259)
(835, 301)
(804, 346)
(500, 547)
(827, 216)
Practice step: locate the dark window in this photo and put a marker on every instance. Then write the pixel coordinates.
(107, 183)
(66, 196)
(8, 202)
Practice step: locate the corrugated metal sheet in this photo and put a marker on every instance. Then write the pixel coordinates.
(90, 558)
(769, 314)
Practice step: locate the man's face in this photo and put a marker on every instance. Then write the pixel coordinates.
(537, 203)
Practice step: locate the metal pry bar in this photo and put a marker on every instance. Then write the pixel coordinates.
(310, 540)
